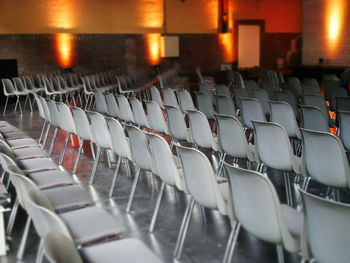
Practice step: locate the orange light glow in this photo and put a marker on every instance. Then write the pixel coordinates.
(60, 13)
(212, 12)
(226, 42)
(335, 18)
(64, 45)
(152, 14)
(153, 48)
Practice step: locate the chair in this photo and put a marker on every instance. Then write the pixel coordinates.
(155, 95)
(283, 114)
(287, 96)
(205, 104)
(55, 122)
(223, 90)
(319, 102)
(177, 125)
(156, 118)
(59, 248)
(185, 100)
(344, 125)
(140, 117)
(204, 190)
(252, 193)
(295, 85)
(22, 89)
(343, 104)
(251, 109)
(241, 93)
(274, 150)
(125, 112)
(329, 167)
(334, 93)
(102, 137)
(324, 219)
(310, 86)
(120, 146)
(42, 115)
(225, 105)
(170, 97)
(101, 104)
(112, 105)
(262, 96)
(166, 168)
(314, 119)
(9, 90)
(141, 155)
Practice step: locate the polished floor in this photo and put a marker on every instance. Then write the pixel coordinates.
(204, 243)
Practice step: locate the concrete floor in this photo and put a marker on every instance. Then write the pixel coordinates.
(204, 243)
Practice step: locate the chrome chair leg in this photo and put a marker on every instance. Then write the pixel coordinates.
(22, 245)
(115, 177)
(156, 208)
(78, 157)
(94, 168)
(12, 218)
(132, 192)
(64, 149)
(7, 99)
(53, 141)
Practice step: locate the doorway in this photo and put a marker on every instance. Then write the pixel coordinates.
(249, 45)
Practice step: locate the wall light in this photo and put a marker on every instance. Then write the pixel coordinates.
(64, 46)
(152, 48)
(334, 22)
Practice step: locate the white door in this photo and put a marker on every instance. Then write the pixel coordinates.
(248, 46)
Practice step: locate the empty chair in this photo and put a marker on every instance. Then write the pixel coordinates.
(185, 100)
(177, 125)
(270, 88)
(262, 96)
(42, 115)
(283, 114)
(204, 191)
(55, 121)
(242, 93)
(310, 86)
(251, 110)
(9, 90)
(295, 85)
(205, 104)
(120, 146)
(344, 125)
(140, 117)
(274, 150)
(112, 105)
(324, 219)
(314, 119)
(156, 118)
(141, 155)
(319, 102)
(287, 96)
(125, 112)
(325, 159)
(101, 104)
(102, 138)
(225, 105)
(170, 97)
(155, 95)
(223, 90)
(343, 104)
(22, 89)
(334, 93)
(253, 193)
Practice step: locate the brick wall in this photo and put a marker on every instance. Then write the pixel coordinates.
(36, 53)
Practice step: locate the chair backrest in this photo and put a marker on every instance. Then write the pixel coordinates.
(9, 88)
(273, 147)
(222, 90)
(101, 104)
(225, 105)
(316, 101)
(310, 86)
(334, 93)
(45, 108)
(185, 100)
(155, 117)
(200, 130)
(344, 125)
(262, 96)
(155, 95)
(205, 104)
(82, 123)
(232, 138)
(112, 105)
(288, 96)
(251, 110)
(58, 248)
(54, 113)
(138, 111)
(176, 123)
(67, 121)
(283, 114)
(44, 218)
(324, 220)
(170, 97)
(200, 179)
(86, 85)
(19, 84)
(295, 85)
(343, 104)
(100, 130)
(163, 161)
(325, 158)
(314, 119)
(40, 106)
(125, 112)
(241, 93)
(120, 144)
(139, 148)
(252, 194)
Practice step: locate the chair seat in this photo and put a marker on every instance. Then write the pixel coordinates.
(51, 178)
(294, 221)
(68, 197)
(35, 151)
(92, 224)
(12, 133)
(21, 142)
(37, 164)
(121, 251)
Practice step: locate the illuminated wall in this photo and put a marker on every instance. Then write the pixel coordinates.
(326, 32)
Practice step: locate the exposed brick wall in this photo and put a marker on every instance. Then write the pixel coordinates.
(36, 53)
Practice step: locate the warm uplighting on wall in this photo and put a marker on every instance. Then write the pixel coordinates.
(152, 14)
(226, 42)
(64, 45)
(153, 48)
(334, 22)
(60, 13)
